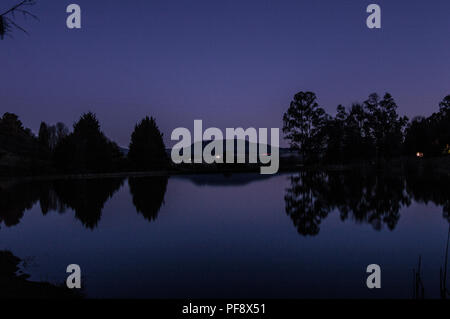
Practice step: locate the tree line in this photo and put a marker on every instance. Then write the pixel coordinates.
(372, 130)
(85, 149)
(369, 130)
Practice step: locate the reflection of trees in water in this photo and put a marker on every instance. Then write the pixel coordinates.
(49, 200)
(15, 199)
(85, 196)
(148, 194)
(371, 197)
(304, 202)
(430, 187)
(374, 198)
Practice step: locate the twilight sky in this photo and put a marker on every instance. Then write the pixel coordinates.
(230, 63)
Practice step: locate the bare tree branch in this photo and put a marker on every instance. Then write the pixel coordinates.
(7, 24)
(20, 4)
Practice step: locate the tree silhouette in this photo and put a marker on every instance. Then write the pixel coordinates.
(19, 148)
(444, 125)
(147, 150)
(444, 105)
(418, 136)
(386, 126)
(15, 138)
(335, 132)
(44, 140)
(430, 135)
(358, 143)
(302, 124)
(371, 130)
(87, 149)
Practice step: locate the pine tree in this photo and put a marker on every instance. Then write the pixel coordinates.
(147, 150)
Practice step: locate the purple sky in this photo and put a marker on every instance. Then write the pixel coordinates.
(230, 63)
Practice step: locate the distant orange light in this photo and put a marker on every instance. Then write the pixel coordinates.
(419, 154)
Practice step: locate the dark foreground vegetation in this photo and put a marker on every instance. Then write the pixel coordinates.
(371, 131)
(15, 284)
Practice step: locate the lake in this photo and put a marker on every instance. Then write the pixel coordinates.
(292, 235)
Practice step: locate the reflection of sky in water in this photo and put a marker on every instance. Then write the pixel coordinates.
(228, 241)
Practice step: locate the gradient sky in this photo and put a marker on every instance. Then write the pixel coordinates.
(231, 63)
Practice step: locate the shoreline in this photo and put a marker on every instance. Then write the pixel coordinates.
(438, 165)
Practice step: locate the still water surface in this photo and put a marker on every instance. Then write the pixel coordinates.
(296, 235)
